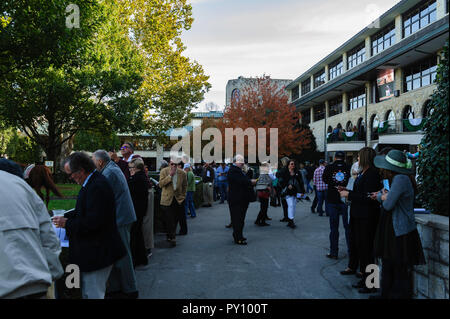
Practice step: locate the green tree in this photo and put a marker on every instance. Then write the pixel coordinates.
(58, 81)
(6, 133)
(91, 141)
(173, 84)
(433, 162)
(23, 150)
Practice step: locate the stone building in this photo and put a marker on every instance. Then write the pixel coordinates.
(373, 90)
(236, 86)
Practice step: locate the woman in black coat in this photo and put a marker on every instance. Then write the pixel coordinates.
(138, 185)
(364, 212)
(291, 184)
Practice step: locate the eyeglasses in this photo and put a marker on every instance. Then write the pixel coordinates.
(172, 164)
(124, 147)
(131, 167)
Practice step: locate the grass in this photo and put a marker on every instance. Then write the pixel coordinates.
(68, 190)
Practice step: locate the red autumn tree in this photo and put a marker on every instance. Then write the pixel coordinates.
(263, 104)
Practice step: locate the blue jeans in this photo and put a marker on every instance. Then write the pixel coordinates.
(321, 197)
(308, 186)
(223, 190)
(189, 204)
(335, 210)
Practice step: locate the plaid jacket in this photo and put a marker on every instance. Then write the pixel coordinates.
(318, 181)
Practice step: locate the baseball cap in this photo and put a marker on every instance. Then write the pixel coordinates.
(321, 161)
(339, 154)
(187, 165)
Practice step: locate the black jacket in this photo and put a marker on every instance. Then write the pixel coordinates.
(295, 180)
(94, 241)
(139, 185)
(205, 177)
(361, 205)
(336, 174)
(239, 187)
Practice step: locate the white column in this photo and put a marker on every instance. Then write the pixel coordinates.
(440, 9)
(398, 28)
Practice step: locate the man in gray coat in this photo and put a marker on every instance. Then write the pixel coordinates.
(122, 281)
(29, 247)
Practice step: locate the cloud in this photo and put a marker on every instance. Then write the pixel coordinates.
(280, 38)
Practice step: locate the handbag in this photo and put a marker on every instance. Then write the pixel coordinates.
(265, 194)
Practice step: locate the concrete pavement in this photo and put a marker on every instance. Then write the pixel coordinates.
(278, 262)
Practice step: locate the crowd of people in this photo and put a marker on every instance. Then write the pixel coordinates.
(111, 229)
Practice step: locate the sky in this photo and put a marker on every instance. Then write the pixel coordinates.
(279, 38)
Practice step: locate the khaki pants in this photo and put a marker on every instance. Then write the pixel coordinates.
(207, 193)
(147, 226)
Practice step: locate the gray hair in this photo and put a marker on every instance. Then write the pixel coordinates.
(102, 155)
(238, 159)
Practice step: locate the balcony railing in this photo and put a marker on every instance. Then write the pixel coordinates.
(346, 137)
(401, 126)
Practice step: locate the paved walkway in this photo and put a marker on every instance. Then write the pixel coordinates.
(278, 262)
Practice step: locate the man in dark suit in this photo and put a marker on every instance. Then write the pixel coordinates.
(94, 241)
(239, 188)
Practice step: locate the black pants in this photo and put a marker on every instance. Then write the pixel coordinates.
(353, 259)
(396, 280)
(263, 210)
(285, 207)
(238, 213)
(137, 244)
(365, 229)
(181, 218)
(170, 218)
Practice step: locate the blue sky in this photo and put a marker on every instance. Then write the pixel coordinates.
(280, 38)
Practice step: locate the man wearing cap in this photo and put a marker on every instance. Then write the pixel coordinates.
(321, 189)
(336, 174)
(189, 206)
(222, 172)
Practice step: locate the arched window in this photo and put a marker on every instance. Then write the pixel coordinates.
(408, 112)
(375, 123)
(361, 126)
(349, 126)
(339, 126)
(427, 109)
(330, 129)
(391, 123)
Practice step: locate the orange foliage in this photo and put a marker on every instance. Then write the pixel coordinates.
(262, 104)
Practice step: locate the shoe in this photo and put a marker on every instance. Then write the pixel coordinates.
(229, 225)
(348, 272)
(366, 290)
(193, 216)
(149, 253)
(284, 219)
(268, 218)
(313, 210)
(359, 275)
(360, 284)
(221, 202)
(240, 242)
(209, 205)
(291, 224)
(331, 256)
(320, 215)
(307, 198)
(263, 224)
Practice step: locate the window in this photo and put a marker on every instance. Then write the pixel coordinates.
(319, 112)
(420, 74)
(335, 106)
(357, 98)
(306, 117)
(356, 56)
(375, 124)
(306, 86)
(408, 112)
(335, 69)
(295, 92)
(349, 126)
(319, 78)
(383, 40)
(419, 17)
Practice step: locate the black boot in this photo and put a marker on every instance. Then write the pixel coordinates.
(291, 224)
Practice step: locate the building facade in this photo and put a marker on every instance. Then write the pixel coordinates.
(237, 86)
(374, 89)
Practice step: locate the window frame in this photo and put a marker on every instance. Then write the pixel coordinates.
(335, 68)
(321, 75)
(356, 56)
(380, 39)
(333, 104)
(414, 74)
(357, 98)
(316, 113)
(414, 19)
(306, 85)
